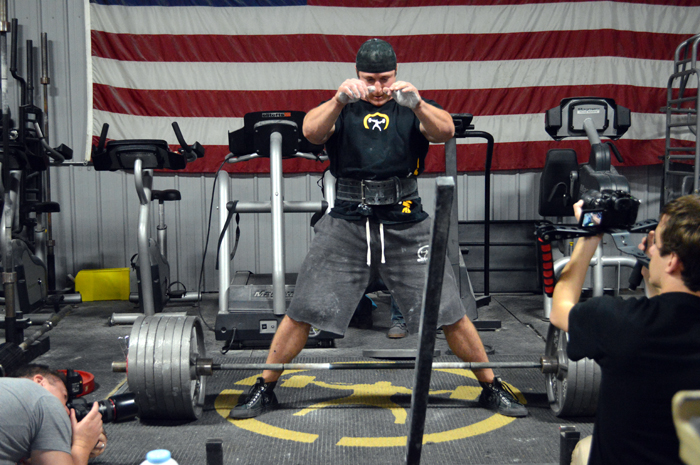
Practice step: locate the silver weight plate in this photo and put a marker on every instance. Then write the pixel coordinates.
(163, 351)
(573, 390)
(193, 398)
(167, 364)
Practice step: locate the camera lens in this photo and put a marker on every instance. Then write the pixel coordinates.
(121, 407)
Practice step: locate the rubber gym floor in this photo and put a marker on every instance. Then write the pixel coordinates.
(340, 417)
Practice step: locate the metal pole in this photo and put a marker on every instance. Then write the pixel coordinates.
(429, 317)
(329, 190)
(45, 81)
(224, 251)
(144, 182)
(487, 204)
(279, 305)
(372, 366)
(597, 284)
(120, 367)
(288, 206)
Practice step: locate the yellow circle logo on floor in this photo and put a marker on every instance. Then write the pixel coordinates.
(376, 395)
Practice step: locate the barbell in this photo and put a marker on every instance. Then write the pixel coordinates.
(167, 369)
(207, 367)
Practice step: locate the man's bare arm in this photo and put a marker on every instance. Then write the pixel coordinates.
(567, 291)
(570, 283)
(51, 457)
(436, 124)
(319, 123)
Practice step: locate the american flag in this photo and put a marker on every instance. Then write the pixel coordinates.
(206, 63)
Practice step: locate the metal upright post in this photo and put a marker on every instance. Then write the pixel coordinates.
(50, 243)
(279, 305)
(429, 317)
(144, 184)
(225, 247)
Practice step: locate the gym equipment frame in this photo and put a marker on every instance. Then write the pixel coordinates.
(143, 156)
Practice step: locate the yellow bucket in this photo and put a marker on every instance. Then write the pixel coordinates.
(105, 284)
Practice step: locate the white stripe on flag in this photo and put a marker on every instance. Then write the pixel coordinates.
(326, 75)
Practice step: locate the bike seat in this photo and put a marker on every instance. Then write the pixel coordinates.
(46, 207)
(166, 195)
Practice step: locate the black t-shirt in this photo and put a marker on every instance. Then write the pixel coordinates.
(378, 143)
(648, 349)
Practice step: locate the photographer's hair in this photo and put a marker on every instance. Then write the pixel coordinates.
(31, 370)
(681, 235)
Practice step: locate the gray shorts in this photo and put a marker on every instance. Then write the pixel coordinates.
(335, 274)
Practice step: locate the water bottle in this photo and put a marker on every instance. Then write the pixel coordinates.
(159, 456)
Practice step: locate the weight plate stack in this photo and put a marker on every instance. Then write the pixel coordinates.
(163, 351)
(573, 390)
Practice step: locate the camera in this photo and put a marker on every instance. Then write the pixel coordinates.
(121, 407)
(608, 209)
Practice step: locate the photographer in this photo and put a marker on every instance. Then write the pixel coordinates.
(36, 429)
(648, 348)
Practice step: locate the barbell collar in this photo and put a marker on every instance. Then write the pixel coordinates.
(118, 367)
(205, 367)
(549, 364)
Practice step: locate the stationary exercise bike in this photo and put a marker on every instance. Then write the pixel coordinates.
(142, 156)
(608, 208)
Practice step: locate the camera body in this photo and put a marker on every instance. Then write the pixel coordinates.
(608, 209)
(121, 407)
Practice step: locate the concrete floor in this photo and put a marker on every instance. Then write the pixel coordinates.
(318, 423)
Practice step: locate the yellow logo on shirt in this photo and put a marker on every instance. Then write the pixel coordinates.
(378, 121)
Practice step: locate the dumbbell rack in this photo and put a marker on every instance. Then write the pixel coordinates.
(682, 151)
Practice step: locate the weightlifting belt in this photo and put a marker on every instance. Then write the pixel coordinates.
(367, 192)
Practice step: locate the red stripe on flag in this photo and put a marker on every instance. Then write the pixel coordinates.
(483, 102)
(409, 49)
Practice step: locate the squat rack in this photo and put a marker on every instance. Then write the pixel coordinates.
(681, 167)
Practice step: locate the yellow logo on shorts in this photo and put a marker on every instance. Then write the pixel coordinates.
(407, 206)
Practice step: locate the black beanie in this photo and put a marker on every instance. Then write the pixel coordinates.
(375, 56)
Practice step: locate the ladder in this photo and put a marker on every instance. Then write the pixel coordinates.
(682, 152)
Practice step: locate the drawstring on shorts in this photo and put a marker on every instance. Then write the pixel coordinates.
(381, 238)
(369, 250)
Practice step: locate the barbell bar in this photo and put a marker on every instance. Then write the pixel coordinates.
(206, 366)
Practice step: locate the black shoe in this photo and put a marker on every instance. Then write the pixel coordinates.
(259, 400)
(497, 396)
